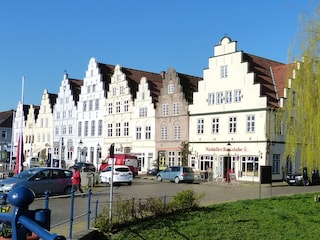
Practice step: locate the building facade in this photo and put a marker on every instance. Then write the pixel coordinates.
(232, 117)
(65, 120)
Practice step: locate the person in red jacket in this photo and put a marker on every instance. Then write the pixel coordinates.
(76, 180)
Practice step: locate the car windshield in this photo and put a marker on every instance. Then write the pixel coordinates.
(27, 173)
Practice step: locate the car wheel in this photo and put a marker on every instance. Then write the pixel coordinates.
(67, 190)
(176, 180)
(159, 178)
(129, 183)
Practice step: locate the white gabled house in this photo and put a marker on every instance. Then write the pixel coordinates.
(30, 130)
(233, 125)
(64, 145)
(91, 115)
(144, 122)
(43, 130)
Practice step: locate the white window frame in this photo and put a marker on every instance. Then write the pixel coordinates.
(126, 129)
(110, 108)
(177, 132)
(232, 124)
(164, 133)
(250, 123)
(229, 96)
(219, 97)
(138, 133)
(126, 106)
(118, 129)
(148, 132)
(143, 112)
(215, 125)
(109, 127)
(170, 88)
(200, 126)
(165, 110)
(176, 108)
(224, 71)
(118, 107)
(211, 98)
(237, 95)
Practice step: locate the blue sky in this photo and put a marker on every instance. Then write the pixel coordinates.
(41, 39)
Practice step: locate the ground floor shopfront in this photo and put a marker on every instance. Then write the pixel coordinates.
(243, 160)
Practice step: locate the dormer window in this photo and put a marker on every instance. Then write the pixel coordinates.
(170, 88)
(224, 71)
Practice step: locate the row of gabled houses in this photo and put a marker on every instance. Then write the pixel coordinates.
(228, 117)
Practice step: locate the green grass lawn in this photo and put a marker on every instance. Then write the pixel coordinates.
(294, 217)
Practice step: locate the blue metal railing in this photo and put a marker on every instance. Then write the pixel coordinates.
(22, 220)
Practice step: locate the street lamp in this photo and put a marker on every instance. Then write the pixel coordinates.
(98, 155)
(62, 152)
(228, 162)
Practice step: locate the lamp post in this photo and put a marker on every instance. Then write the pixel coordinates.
(80, 144)
(228, 162)
(62, 152)
(98, 155)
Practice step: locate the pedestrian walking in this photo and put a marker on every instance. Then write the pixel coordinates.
(76, 180)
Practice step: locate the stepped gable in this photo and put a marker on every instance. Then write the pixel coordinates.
(270, 74)
(75, 86)
(133, 77)
(6, 118)
(189, 85)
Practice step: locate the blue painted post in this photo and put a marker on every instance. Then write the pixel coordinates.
(89, 208)
(24, 220)
(46, 203)
(71, 213)
(96, 213)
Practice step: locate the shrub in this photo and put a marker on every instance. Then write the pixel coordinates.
(131, 211)
(186, 200)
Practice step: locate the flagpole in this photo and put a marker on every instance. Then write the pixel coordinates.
(21, 126)
(11, 150)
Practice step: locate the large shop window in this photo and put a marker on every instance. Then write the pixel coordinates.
(206, 161)
(250, 166)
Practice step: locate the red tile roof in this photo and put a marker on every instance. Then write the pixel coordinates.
(271, 75)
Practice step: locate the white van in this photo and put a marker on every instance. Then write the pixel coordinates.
(31, 162)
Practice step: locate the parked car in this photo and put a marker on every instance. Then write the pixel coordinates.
(84, 166)
(152, 171)
(40, 180)
(176, 174)
(296, 179)
(121, 174)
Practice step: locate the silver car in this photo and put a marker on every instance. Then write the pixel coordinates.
(176, 174)
(40, 180)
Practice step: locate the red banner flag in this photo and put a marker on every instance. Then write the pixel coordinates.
(19, 158)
